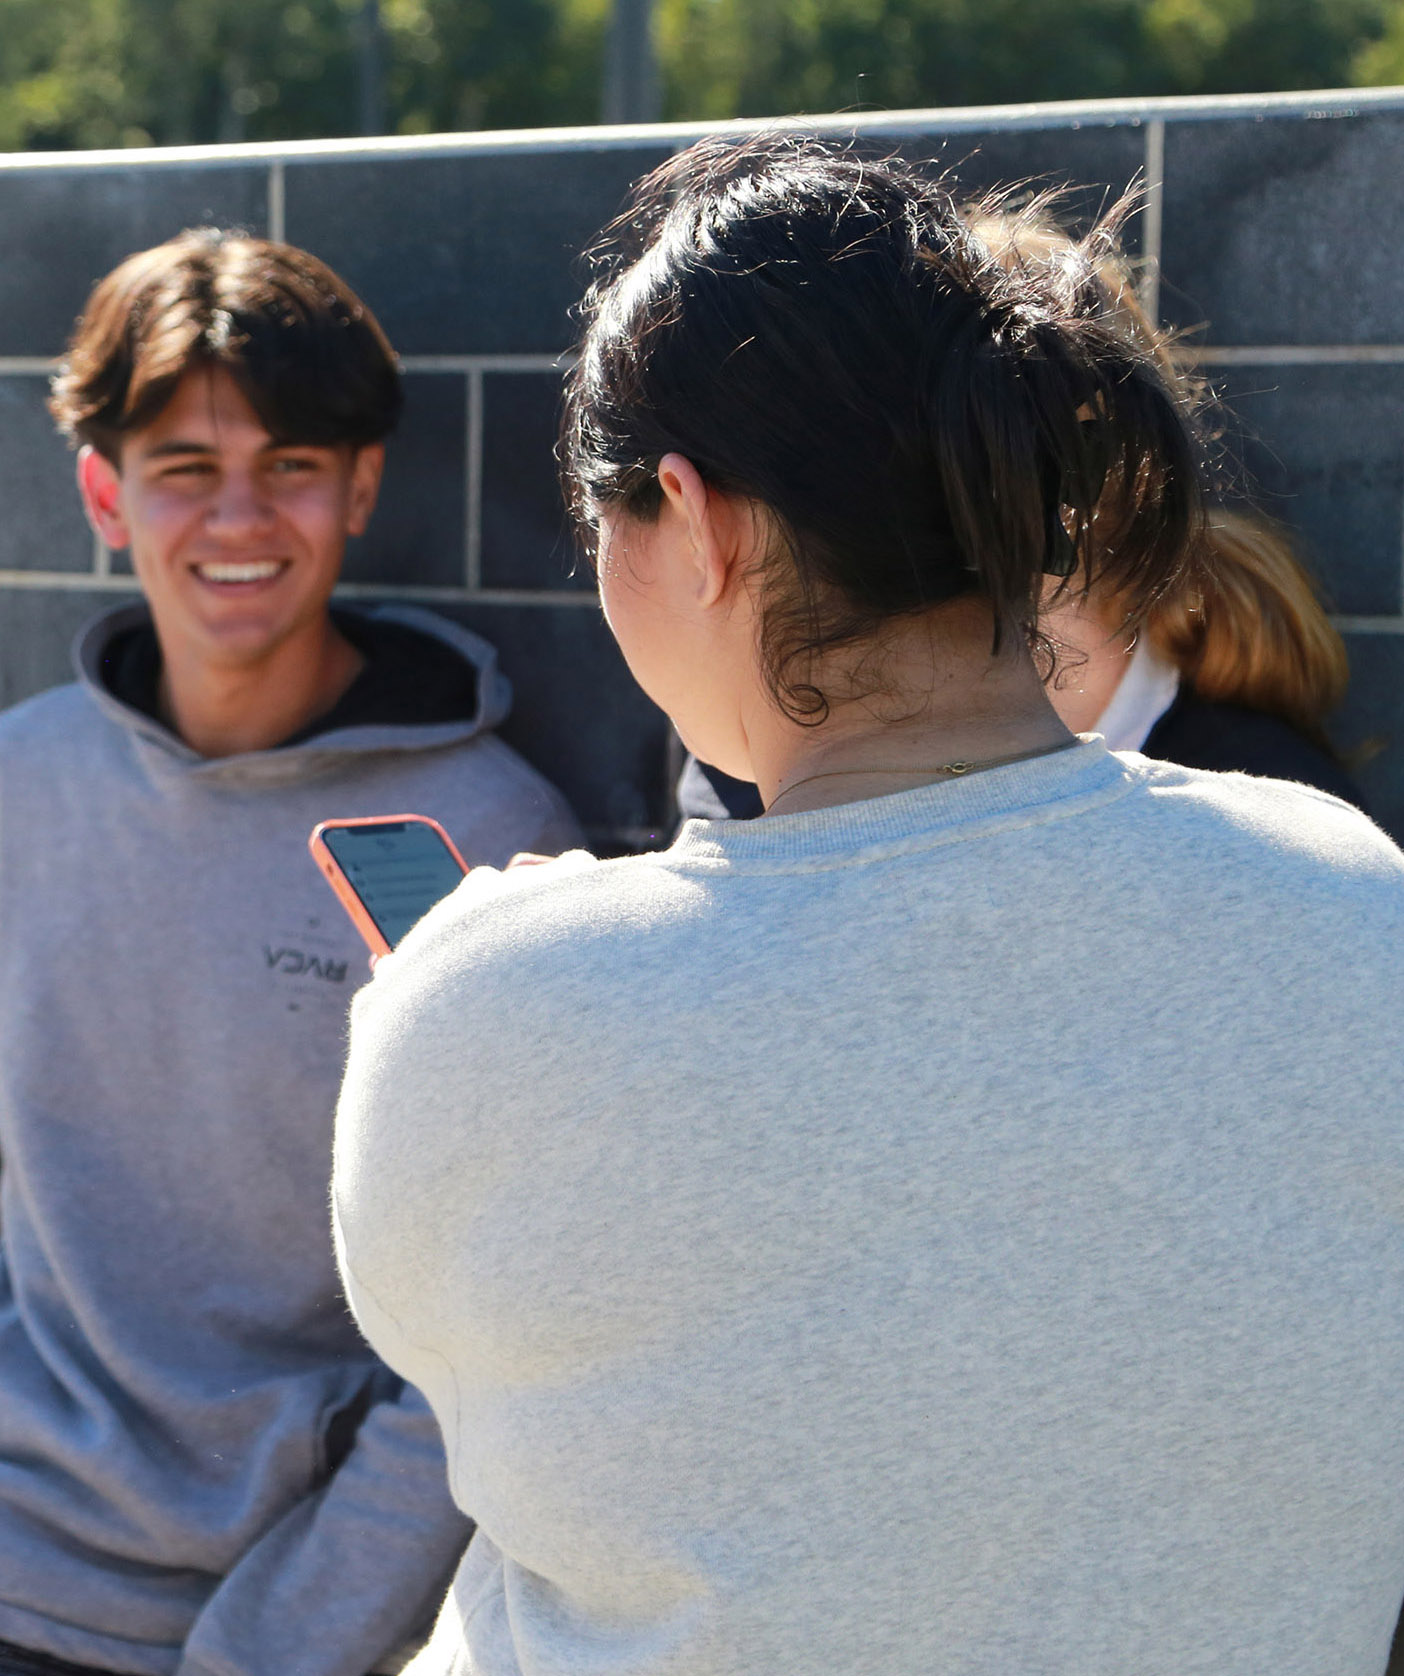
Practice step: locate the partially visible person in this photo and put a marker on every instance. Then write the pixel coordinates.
(203, 1469)
(952, 1222)
(705, 793)
(1235, 668)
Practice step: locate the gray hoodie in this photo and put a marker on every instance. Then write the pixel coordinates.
(203, 1469)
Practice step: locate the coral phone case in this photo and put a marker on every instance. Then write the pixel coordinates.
(387, 871)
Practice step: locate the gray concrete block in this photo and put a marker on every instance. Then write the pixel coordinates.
(66, 228)
(37, 630)
(1369, 728)
(1286, 229)
(1093, 165)
(418, 536)
(580, 717)
(526, 541)
(43, 527)
(471, 254)
(1324, 446)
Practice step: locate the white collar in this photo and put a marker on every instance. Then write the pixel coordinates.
(1145, 692)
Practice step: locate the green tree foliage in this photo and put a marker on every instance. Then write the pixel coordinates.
(1380, 62)
(1258, 46)
(96, 73)
(756, 57)
(463, 64)
(131, 72)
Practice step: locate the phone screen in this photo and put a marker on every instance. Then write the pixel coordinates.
(399, 869)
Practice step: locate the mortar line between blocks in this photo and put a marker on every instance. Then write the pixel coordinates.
(67, 582)
(41, 366)
(1368, 625)
(1153, 223)
(88, 581)
(1296, 355)
(277, 201)
(525, 362)
(473, 550)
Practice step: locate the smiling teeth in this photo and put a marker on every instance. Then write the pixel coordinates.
(258, 570)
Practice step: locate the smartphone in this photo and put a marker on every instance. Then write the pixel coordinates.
(388, 871)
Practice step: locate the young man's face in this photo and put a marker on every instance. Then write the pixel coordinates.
(236, 539)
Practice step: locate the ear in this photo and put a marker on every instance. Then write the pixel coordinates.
(715, 524)
(366, 468)
(100, 485)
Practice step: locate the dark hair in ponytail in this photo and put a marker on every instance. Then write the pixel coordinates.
(824, 335)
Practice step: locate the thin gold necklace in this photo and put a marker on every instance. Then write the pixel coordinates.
(953, 769)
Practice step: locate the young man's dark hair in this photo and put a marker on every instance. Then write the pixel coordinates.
(204, 1469)
(307, 353)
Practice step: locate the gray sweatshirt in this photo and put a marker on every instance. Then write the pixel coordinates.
(956, 1234)
(203, 1469)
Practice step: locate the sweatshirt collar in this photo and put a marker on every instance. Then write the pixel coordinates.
(1021, 793)
(292, 761)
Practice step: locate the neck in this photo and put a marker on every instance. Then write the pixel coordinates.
(1093, 651)
(947, 700)
(224, 710)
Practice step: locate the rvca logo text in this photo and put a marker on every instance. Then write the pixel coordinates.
(299, 965)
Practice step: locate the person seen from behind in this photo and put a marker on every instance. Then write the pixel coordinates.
(943, 1224)
(1235, 667)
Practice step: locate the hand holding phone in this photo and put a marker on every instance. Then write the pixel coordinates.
(388, 871)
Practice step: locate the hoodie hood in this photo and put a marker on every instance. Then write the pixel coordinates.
(162, 747)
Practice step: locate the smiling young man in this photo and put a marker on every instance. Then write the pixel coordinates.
(204, 1471)
(240, 536)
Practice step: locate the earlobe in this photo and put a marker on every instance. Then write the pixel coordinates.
(100, 485)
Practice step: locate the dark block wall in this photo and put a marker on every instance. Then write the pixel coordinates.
(67, 225)
(475, 259)
(43, 527)
(1273, 223)
(1320, 447)
(1090, 165)
(1286, 230)
(418, 534)
(525, 536)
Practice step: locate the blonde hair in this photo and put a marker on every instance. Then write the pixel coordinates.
(1249, 628)
(1244, 624)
